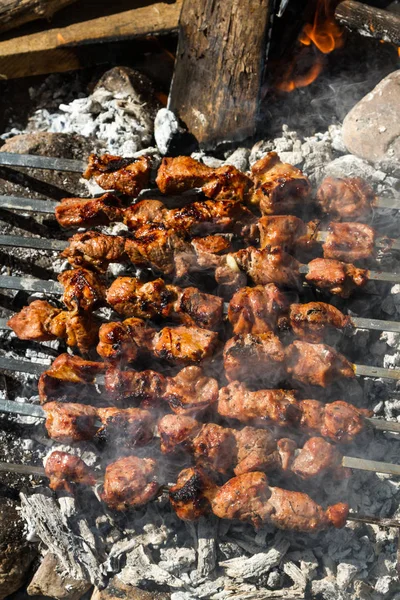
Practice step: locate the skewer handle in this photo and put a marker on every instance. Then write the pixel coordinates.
(368, 371)
(383, 425)
(17, 408)
(49, 163)
(29, 284)
(35, 243)
(370, 465)
(23, 469)
(376, 324)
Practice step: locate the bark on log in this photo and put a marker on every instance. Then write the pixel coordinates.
(369, 21)
(219, 68)
(14, 13)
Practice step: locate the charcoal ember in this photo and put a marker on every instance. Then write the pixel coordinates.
(171, 137)
(239, 159)
(117, 590)
(16, 554)
(49, 581)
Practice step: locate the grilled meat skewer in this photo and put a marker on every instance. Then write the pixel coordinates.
(338, 421)
(248, 497)
(124, 175)
(221, 449)
(129, 482)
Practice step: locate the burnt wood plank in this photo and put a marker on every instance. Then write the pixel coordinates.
(14, 13)
(219, 67)
(368, 20)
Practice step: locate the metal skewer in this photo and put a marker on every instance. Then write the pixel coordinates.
(8, 406)
(48, 163)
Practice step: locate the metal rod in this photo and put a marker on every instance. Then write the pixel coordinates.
(17, 408)
(27, 204)
(392, 203)
(370, 465)
(29, 284)
(48, 163)
(368, 371)
(17, 241)
(383, 425)
(381, 521)
(21, 366)
(23, 469)
(376, 324)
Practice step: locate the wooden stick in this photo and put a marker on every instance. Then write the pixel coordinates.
(14, 13)
(369, 21)
(220, 62)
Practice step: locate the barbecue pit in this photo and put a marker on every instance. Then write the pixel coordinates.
(150, 548)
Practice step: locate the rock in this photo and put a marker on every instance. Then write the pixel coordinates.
(48, 581)
(62, 145)
(239, 159)
(16, 554)
(171, 137)
(353, 166)
(371, 130)
(116, 590)
(345, 574)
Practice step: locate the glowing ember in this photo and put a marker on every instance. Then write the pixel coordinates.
(322, 36)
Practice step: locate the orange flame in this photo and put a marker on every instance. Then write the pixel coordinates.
(323, 36)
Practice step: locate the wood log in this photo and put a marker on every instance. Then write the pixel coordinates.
(67, 48)
(369, 21)
(14, 13)
(219, 68)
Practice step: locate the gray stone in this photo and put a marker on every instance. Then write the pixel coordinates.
(16, 554)
(371, 130)
(353, 166)
(48, 581)
(166, 128)
(239, 159)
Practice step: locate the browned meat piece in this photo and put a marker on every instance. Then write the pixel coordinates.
(257, 310)
(154, 299)
(95, 250)
(177, 431)
(214, 448)
(268, 266)
(279, 188)
(318, 457)
(254, 357)
(32, 322)
(162, 249)
(69, 378)
(316, 321)
(182, 173)
(63, 469)
(122, 174)
(230, 278)
(349, 242)
(126, 427)
(80, 212)
(283, 231)
(197, 218)
(336, 277)
(42, 322)
(337, 421)
(83, 289)
(280, 407)
(70, 422)
(124, 341)
(190, 497)
(258, 450)
(249, 498)
(146, 387)
(184, 345)
(81, 331)
(190, 391)
(130, 482)
(343, 199)
(317, 364)
(210, 249)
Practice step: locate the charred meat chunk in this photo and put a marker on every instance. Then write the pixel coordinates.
(259, 450)
(214, 448)
(349, 242)
(128, 427)
(64, 469)
(81, 212)
(69, 379)
(70, 422)
(125, 175)
(83, 289)
(177, 431)
(253, 358)
(184, 345)
(271, 265)
(283, 231)
(257, 310)
(190, 497)
(146, 387)
(124, 341)
(317, 458)
(236, 401)
(129, 482)
(317, 321)
(336, 277)
(317, 364)
(337, 421)
(347, 198)
(190, 392)
(279, 188)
